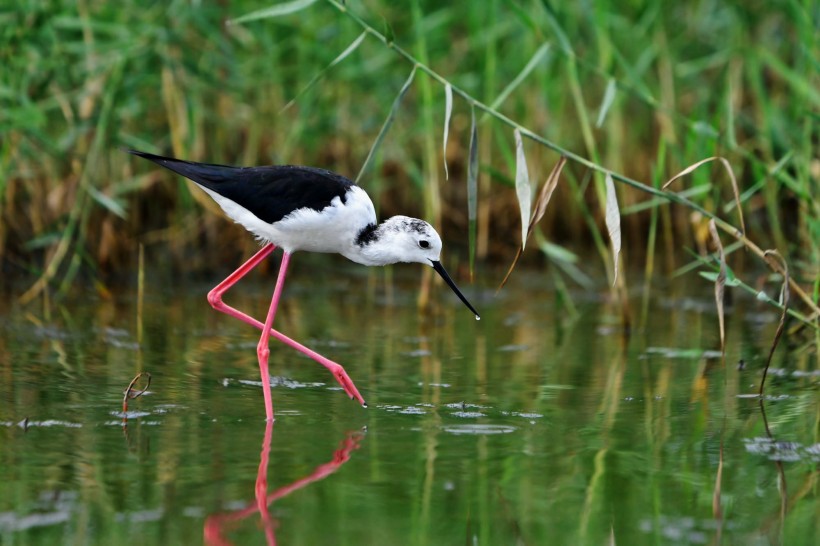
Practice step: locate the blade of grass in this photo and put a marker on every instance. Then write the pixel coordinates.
(342, 56)
(563, 40)
(286, 8)
(387, 123)
(108, 203)
(523, 188)
(798, 81)
(539, 54)
(565, 260)
(613, 223)
(606, 103)
(448, 112)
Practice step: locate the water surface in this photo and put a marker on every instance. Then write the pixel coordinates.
(529, 427)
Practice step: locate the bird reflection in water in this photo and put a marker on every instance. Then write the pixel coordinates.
(216, 525)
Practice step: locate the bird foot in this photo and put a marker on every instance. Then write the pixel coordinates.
(347, 384)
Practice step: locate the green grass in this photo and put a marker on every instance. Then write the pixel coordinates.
(641, 89)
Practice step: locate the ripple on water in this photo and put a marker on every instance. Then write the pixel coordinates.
(782, 451)
(479, 429)
(468, 414)
(25, 424)
(275, 381)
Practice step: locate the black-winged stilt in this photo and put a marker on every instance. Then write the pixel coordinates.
(304, 208)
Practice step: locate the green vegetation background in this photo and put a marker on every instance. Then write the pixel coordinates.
(81, 79)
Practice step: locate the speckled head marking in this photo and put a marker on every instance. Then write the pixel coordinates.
(419, 226)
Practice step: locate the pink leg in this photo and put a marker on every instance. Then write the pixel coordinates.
(262, 350)
(215, 299)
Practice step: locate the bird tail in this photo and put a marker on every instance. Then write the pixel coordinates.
(206, 174)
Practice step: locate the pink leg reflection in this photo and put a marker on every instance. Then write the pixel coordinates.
(215, 525)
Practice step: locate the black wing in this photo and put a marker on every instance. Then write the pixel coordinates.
(270, 193)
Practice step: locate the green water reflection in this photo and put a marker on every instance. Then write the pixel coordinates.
(524, 428)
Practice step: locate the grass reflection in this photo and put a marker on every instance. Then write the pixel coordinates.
(525, 428)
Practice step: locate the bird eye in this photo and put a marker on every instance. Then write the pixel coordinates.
(424, 244)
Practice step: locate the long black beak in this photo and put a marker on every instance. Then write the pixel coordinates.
(443, 272)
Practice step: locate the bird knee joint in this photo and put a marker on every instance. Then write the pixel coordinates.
(262, 351)
(215, 299)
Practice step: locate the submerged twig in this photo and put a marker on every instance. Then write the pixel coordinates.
(131, 393)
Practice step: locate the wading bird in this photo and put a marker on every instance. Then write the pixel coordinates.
(313, 210)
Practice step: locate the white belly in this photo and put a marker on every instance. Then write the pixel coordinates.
(334, 229)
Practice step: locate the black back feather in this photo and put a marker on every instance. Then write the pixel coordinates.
(270, 193)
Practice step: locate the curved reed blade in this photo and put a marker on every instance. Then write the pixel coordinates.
(613, 223)
(732, 179)
(448, 112)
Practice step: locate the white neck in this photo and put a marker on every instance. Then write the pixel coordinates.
(397, 239)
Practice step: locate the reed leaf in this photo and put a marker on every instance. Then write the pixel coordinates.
(387, 124)
(545, 194)
(523, 188)
(560, 35)
(278, 10)
(613, 223)
(539, 54)
(541, 203)
(606, 103)
(342, 56)
(448, 112)
(108, 203)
